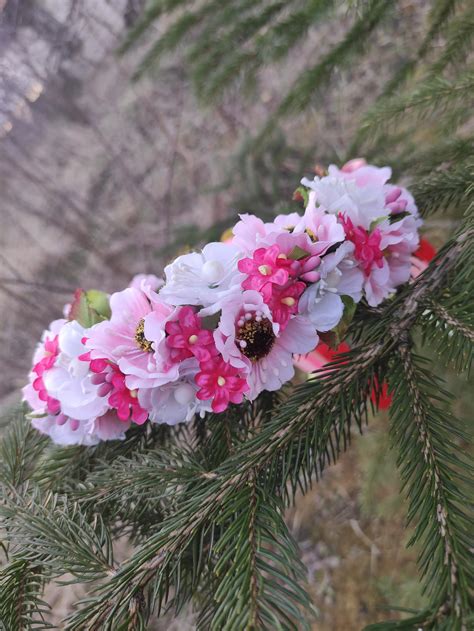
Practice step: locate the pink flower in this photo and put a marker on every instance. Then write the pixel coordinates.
(186, 337)
(220, 382)
(367, 250)
(268, 266)
(146, 282)
(134, 339)
(362, 173)
(283, 302)
(251, 232)
(322, 227)
(112, 384)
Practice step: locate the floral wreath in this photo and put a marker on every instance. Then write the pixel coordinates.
(232, 320)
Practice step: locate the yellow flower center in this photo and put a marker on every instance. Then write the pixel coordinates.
(265, 270)
(220, 381)
(140, 338)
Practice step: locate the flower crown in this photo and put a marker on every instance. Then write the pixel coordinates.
(227, 322)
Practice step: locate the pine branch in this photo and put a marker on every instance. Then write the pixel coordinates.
(54, 534)
(216, 71)
(306, 85)
(155, 9)
(257, 586)
(451, 332)
(20, 448)
(459, 40)
(438, 18)
(428, 457)
(268, 47)
(430, 96)
(174, 35)
(442, 190)
(21, 606)
(61, 469)
(448, 151)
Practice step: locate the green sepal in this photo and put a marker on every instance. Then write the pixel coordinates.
(89, 307)
(376, 222)
(301, 194)
(298, 253)
(99, 302)
(210, 322)
(398, 216)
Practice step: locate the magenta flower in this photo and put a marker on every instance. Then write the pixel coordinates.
(51, 351)
(268, 267)
(367, 244)
(283, 302)
(111, 382)
(186, 337)
(220, 382)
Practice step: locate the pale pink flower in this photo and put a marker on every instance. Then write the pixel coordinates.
(341, 195)
(249, 339)
(271, 370)
(397, 198)
(134, 339)
(146, 282)
(251, 232)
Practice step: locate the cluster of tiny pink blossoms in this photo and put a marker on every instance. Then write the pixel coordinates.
(227, 322)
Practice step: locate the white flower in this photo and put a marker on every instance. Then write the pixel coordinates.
(69, 380)
(175, 402)
(321, 301)
(200, 278)
(66, 431)
(337, 195)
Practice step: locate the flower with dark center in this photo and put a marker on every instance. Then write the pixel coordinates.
(140, 338)
(255, 337)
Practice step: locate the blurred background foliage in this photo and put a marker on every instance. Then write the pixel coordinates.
(132, 129)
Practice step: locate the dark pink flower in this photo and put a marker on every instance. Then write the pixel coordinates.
(186, 337)
(367, 244)
(268, 266)
(51, 351)
(220, 382)
(111, 382)
(283, 302)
